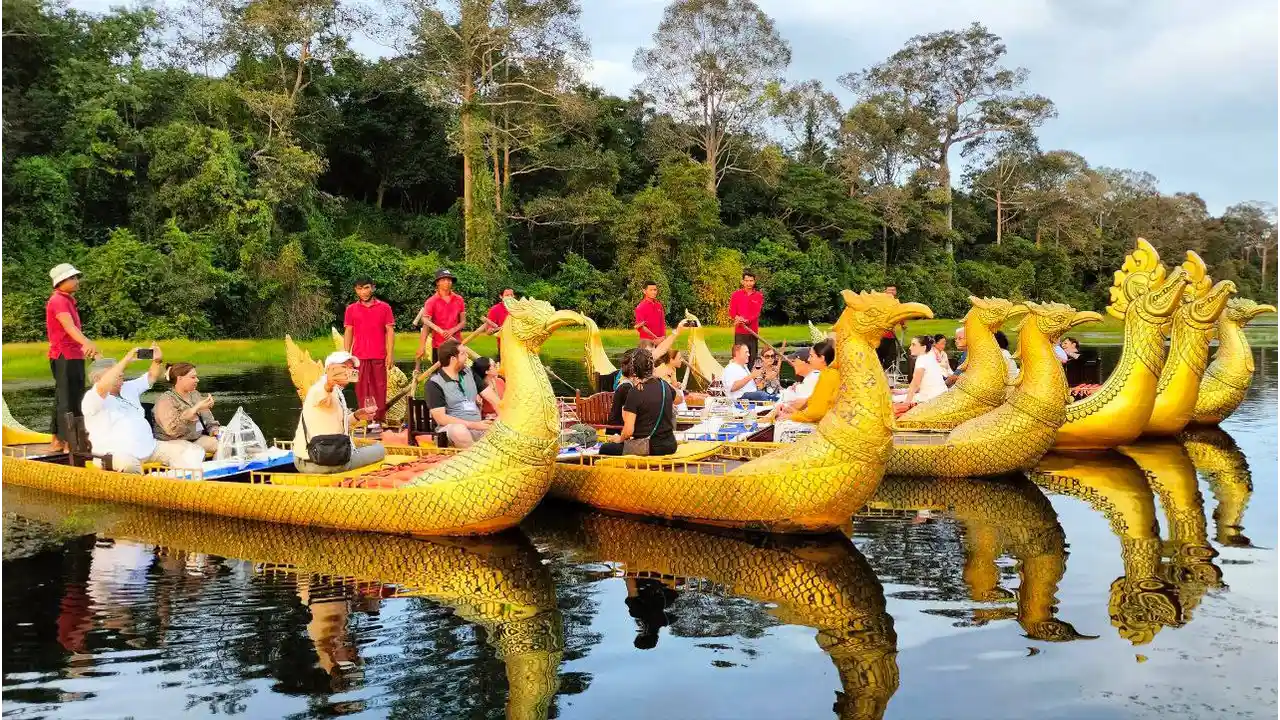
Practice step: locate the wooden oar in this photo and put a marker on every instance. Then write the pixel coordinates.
(757, 336)
(463, 342)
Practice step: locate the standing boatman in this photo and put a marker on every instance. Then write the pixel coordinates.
(444, 314)
(68, 347)
(651, 317)
(498, 315)
(745, 305)
(369, 334)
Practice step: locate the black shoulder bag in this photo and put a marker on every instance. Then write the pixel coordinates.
(327, 450)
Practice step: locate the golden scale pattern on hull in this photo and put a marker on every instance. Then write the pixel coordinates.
(1144, 295)
(823, 583)
(487, 488)
(1000, 516)
(1163, 581)
(981, 388)
(498, 582)
(1016, 434)
(813, 485)
(1228, 377)
(1190, 329)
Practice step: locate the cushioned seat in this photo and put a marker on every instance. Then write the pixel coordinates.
(685, 452)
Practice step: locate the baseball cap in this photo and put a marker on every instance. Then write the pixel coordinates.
(339, 357)
(802, 355)
(61, 272)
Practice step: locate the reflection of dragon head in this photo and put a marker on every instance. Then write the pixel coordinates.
(1053, 319)
(995, 312)
(531, 321)
(1243, 310)
(1054, 630)
(1141, 608)
(1143, 281)
(869, 314)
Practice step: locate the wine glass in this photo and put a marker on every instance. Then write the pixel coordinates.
(370, 409)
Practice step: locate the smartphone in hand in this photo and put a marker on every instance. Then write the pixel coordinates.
(146, 354)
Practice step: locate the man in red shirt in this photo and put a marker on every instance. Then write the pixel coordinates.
(888, 350)
(444, 314)
(68, 347)
(498, 315)
(370, 335)
(745, 305)
(651, 317)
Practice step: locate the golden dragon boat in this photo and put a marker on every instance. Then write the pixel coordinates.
(489, 487)
(1000, 516)
(1013, 436)
(822, 583)
(1191, 326)
(813, 485)
(1221, 463)
(1164, 580)
(1227, 378)
(1144, 295)
(982, 386)
(498, 583)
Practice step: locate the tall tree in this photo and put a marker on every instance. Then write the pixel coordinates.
(1253, 225)
(811, 117)
(874, 160)
(713, 66)
(487, 58)
(1004, 177)
(958, 91)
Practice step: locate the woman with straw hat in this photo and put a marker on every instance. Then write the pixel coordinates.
(68, 348)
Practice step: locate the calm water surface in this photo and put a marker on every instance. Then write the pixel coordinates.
(1106, 586)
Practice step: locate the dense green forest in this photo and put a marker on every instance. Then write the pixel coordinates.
(225, 168)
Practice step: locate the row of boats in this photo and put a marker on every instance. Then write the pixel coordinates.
(980, 428)
(503, 584)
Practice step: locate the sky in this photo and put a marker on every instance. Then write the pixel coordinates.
(1183, 89)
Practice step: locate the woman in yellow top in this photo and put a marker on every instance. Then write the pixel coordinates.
(811, 409)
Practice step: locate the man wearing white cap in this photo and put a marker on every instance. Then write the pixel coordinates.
(117, 425)
(68, 347)
(324, 412)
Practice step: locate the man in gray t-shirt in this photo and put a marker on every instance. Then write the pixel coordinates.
(451, 395)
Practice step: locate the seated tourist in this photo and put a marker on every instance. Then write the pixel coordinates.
(648, 415)
(626, 381)
(182, 414)
(739, 381)
(668, 368)
(117, 425)
(1070, 349)
(806, 376)
(927, 379)
(1003, 341)
(770, 365)
(490, 384)
(452, 394)
(940, 353)
(811, 409)
(324, 412)
(963, 346)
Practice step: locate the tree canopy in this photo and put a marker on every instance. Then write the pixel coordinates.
(224, 169)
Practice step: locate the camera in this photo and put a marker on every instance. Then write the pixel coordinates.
(146, 354)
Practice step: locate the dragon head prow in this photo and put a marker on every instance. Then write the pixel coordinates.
(1207, 307)
(994, 312)
(869, 314)
(1162, 299)
(1241, 311)
(1053, 318)
(1141, 271)
(532, 321)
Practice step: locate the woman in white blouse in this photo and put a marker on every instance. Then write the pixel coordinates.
(928, 380)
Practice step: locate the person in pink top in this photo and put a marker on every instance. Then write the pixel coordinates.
(444, 314)
(68, 348)
(651, 317)
(745, 305)
(498, 314)
(369, 334)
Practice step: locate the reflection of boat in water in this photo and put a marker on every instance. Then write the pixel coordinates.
(489, 487)
(497, 582)
(1217, 457)
(819, 582)
(1163, 580)
(1000, 516)
(813, 485)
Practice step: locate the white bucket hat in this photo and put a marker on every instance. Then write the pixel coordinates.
(339, 357)
(62, 272)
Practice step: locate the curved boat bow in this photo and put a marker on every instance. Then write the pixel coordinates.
(1227, 378)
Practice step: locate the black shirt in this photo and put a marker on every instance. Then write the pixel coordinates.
(619, 399)
(654, 404)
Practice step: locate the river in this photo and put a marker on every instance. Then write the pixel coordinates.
(1049, 597)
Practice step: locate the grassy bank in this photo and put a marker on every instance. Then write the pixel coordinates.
(28, 361)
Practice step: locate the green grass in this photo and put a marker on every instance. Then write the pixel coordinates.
(25, 362)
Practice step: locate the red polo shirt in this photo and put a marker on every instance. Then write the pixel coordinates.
(368, 325)
(444, 312)
(61, 344)
(498, 314)
(654, 316)
(748, 306)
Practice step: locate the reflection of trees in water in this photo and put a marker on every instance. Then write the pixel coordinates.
(929, 555)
